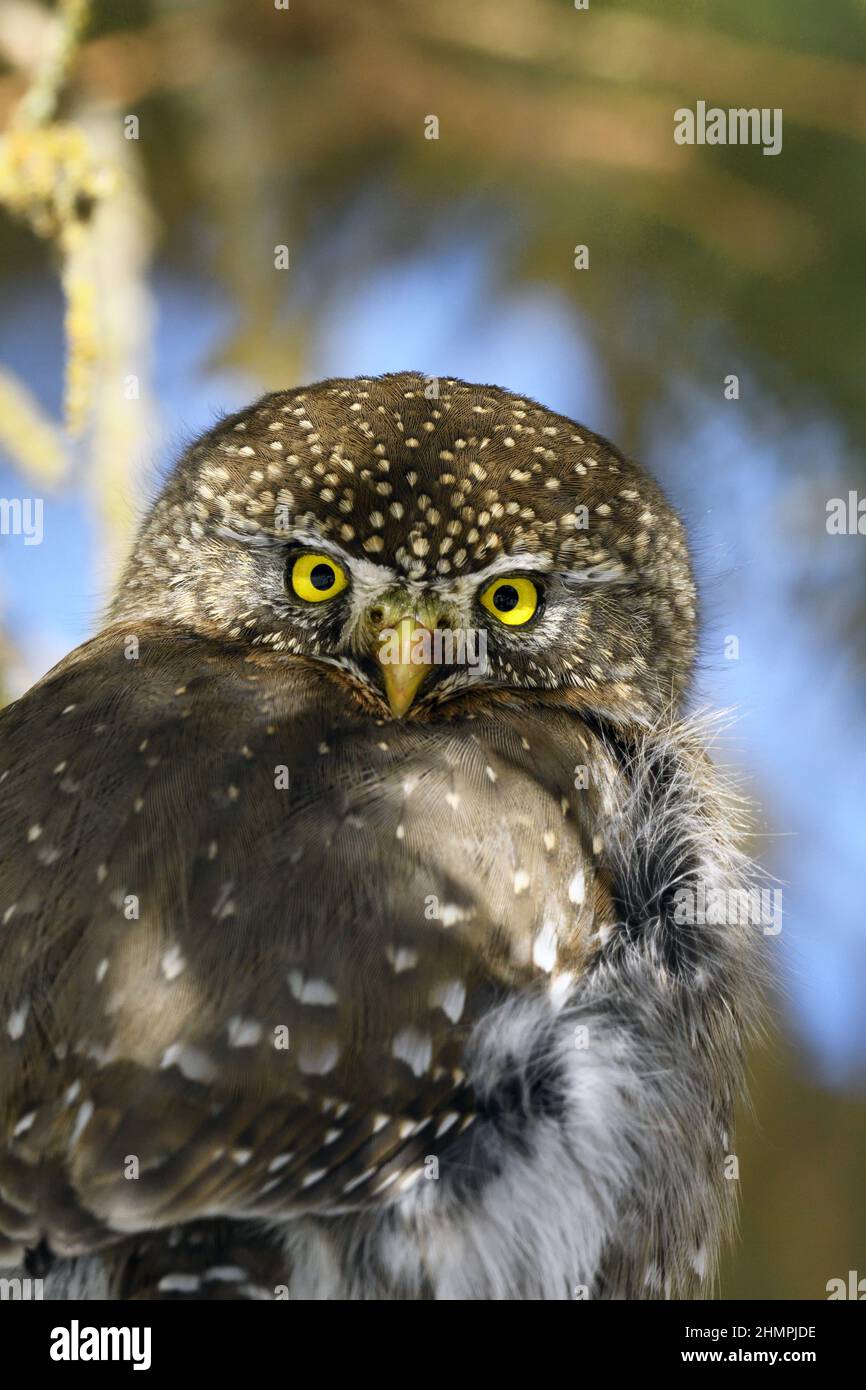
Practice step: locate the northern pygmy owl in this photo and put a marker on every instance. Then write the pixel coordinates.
(339, 954)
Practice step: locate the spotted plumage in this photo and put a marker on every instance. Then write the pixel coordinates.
(354, 979)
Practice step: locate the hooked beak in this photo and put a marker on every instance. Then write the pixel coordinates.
(400, 659)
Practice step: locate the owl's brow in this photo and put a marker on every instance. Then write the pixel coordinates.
(357, 567)
(608, 572)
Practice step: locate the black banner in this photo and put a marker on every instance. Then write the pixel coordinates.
(161, 1337)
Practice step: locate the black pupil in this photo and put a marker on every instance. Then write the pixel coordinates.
(322, 577)
(506, 598)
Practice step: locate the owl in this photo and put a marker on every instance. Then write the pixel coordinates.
(346, 947)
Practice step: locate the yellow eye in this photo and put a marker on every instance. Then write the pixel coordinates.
(317, 577)
(512, 599)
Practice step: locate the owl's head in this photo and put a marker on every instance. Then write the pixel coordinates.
(425, 540)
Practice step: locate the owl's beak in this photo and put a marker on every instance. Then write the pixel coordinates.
(400, 659)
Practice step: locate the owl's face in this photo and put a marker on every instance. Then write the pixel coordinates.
(423, 547)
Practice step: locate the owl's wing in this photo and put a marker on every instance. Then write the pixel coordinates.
(246, 931)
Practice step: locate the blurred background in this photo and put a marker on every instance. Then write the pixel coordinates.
(202, 201)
